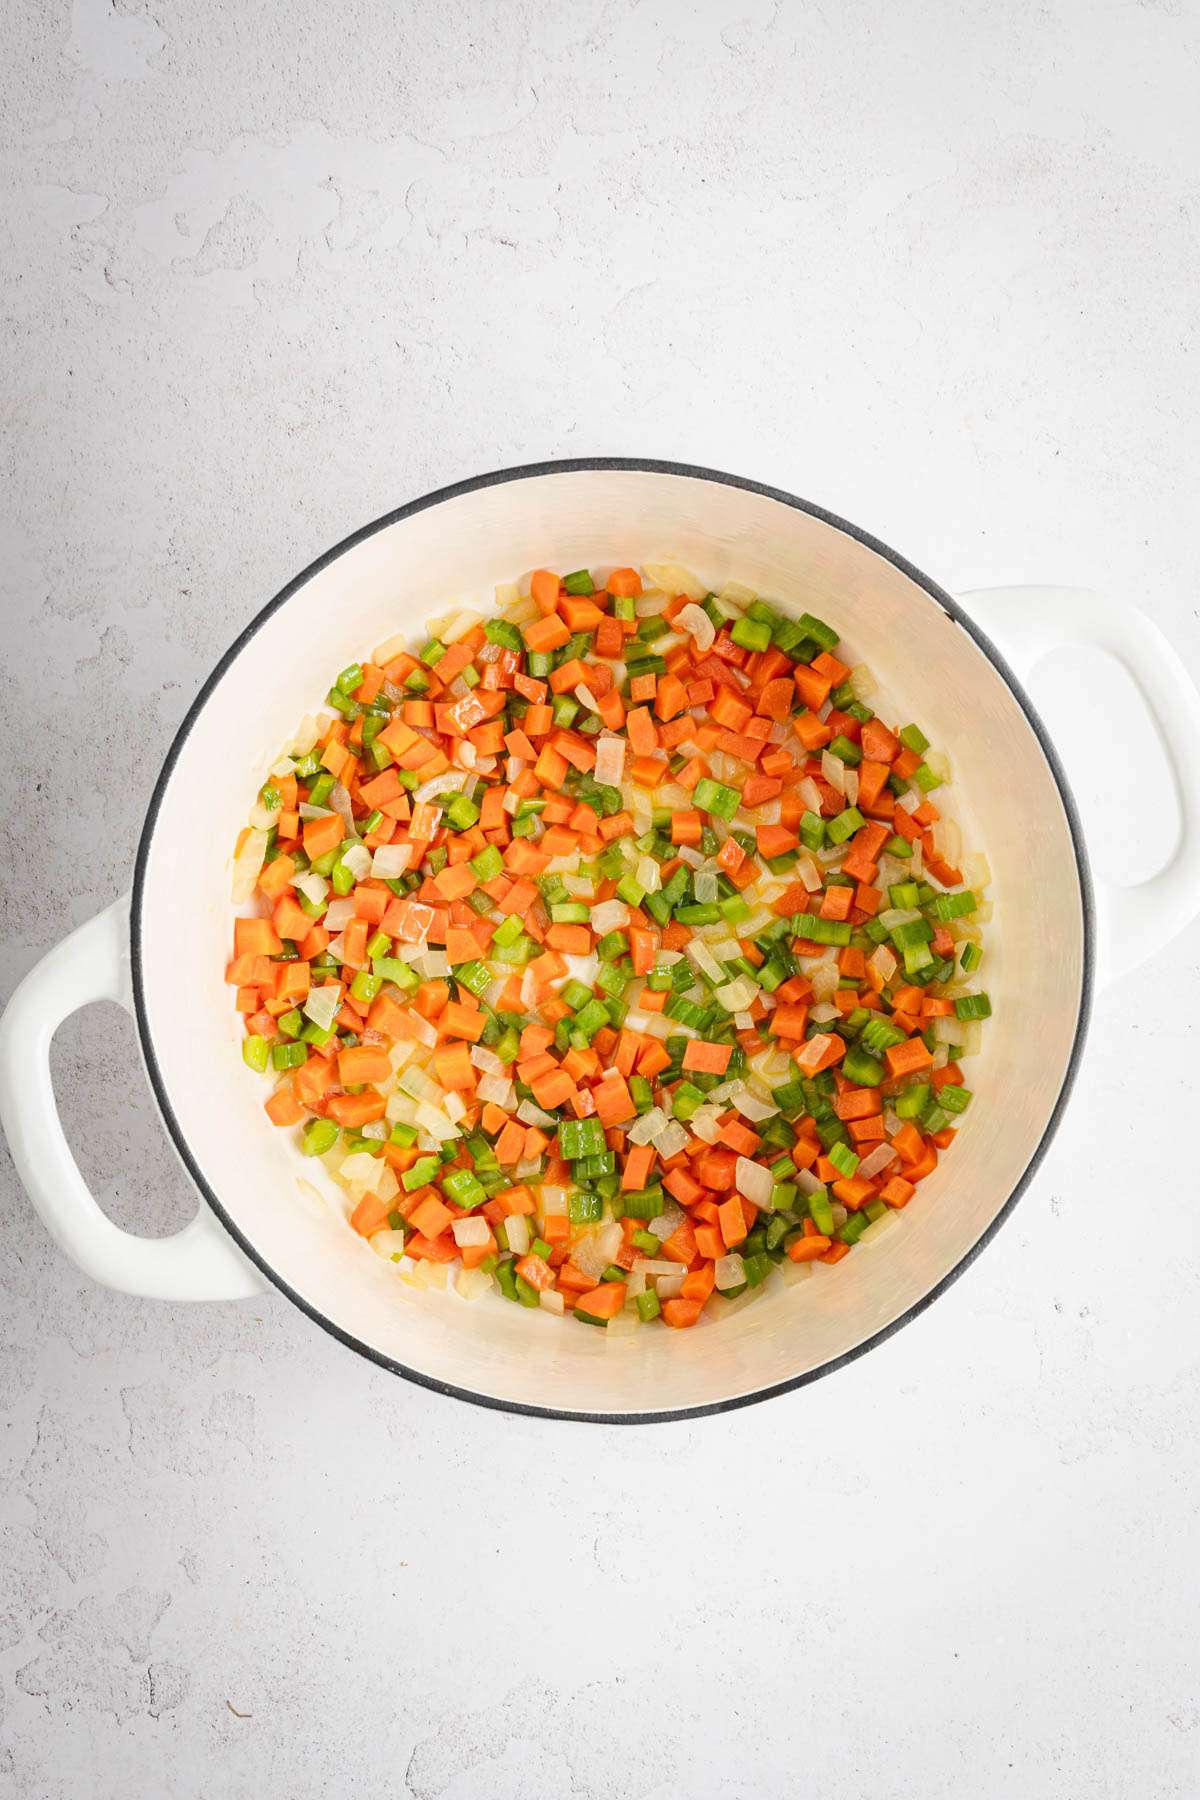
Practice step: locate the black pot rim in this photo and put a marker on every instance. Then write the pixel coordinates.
(537, 471)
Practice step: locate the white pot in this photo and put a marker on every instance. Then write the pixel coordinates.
(164, 954)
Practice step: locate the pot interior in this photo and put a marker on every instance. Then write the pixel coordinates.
(284, 1208)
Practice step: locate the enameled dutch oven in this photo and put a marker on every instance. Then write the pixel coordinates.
(162, 950)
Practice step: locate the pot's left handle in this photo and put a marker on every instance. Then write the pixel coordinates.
(198, 1263)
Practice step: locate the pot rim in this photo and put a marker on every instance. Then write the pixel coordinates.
(537, 471)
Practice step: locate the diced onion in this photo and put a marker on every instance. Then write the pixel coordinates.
(610, 760)
(882, 965)
(551, 1301)
(554, 1202)
(696, 622)
(667, 1223)
(358, 861)
(391, 860)
(594, 1252)
(322, 1004)
(876, 1161)
(338, 914)
(247, 865)
(473, 1284)
(610, 915)
(833, 770)
(498, 1089)
(516, 1229)
(314, 887)
(752, 1180)
(645, 1129)
(671, 1139)
(303, 739)
(729, 1271)
(361, 1169)
(648, 875)
(738, 996)
(878, 1227)
(808, 873)
(673, 578)
(437, 784)
(387, 1244)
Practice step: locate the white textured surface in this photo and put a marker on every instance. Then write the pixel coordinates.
(266, 272)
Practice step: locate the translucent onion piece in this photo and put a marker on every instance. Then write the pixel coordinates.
(437, 784)
(751, 1107)
(498, 1089)
(825, 979)
(833, 770)
(669, 1286)
(531, 1114)
(808, 873)
(706, 1124)
(621, 1325)
(874, 1164)
(977, 872)
(822, 1013)
(667, 1223)
(882, 965)
(314, 812)
(389, 650)
(339, 799)
(486, 1059)
(362, 1169)
(863, 682)
(696, 622)
(314, 887)
(516, 1229)
(947, 841)
(473, 1284)
(554, 1202)
(938, 763)
(358, 861)
(593, 1253)
(610, 915)
(706, 888)
(755, 1182)
(671, 1139)
(729, 1271)
(550, 1300)
(879, 1227)
(810, 793)
(650, 604)
(851, 786)
(458, 625)
(322, 1004)
(645, 1129)
(303, 739)
(648, 875)
(247, 865)
(610, 760)
(585, 697)
(738, 996)
(705, 961)
(387, 1244)
(673, 578)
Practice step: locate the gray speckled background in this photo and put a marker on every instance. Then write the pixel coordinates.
(267, 271)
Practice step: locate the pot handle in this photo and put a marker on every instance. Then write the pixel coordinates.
(1026, 624)
(198, 1263)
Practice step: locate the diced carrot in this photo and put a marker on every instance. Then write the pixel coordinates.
(603, 1302)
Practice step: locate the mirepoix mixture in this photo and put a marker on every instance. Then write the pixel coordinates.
(612, 952)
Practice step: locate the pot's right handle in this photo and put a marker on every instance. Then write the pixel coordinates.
(1027, 623)
(198, 1263)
